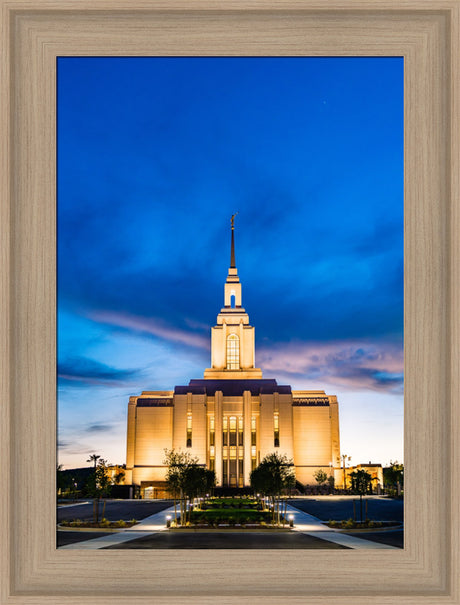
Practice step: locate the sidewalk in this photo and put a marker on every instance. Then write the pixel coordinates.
(149, 525)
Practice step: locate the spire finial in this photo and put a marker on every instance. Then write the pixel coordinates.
(232, 252)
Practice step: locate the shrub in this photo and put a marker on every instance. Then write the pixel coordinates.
(120, 523)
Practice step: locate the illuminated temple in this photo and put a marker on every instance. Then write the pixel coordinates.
(232, 417)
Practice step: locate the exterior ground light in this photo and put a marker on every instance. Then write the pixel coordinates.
(291, 520)
(168, 520)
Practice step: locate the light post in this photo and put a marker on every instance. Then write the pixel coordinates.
(344, 459)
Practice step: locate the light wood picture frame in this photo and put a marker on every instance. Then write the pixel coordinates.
(427, 34)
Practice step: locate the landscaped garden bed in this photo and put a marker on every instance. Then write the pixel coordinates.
(231, 503)
(231, 516)
(230, 512)
(104, 524)
(368, 524)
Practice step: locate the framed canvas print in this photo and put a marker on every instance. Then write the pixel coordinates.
(153, 155)
(83, 55)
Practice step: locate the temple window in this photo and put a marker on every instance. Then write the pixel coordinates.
(276, 430)
(233, 352)
(189, 430)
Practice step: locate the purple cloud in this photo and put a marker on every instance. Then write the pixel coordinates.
(346, 364)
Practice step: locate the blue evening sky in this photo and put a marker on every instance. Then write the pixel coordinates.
(154, 156)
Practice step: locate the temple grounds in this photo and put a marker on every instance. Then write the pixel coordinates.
(157, 536)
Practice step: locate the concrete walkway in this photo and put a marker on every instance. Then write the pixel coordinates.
(312, 526)
(149, 525)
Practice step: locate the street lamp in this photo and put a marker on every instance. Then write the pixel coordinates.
(345, 458)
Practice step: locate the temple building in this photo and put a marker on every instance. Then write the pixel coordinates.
(232, 417)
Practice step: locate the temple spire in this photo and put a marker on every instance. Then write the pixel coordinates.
(232, 252)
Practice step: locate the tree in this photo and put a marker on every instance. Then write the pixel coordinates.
(210, 481)
(94, 458)
(331, 482)
(394, 475)
(272, 477)
(118, 477)
(320, 476)
(194, 484)
(360, 481)
(59, 479)
(186, 479)
(98, 486)
(360, 484)
(173, 461)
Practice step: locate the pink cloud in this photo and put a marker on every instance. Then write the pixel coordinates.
(349, 364)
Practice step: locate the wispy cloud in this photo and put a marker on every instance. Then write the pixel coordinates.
(84, 371)
(98, 427)
(62, 444)
(152, 326)
(354, 365)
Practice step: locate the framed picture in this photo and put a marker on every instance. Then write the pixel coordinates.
(154, 156)
(426, 35)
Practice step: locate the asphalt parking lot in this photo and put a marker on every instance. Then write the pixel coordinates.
(341, 507)
(115, 510)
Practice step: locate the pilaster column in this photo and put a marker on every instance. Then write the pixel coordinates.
(241, 337)
(218, 434)
(247, 413)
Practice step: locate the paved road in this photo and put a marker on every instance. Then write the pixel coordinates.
(227, 539)
(341, 507)
(71, 537)
(392, 538)
(115, 510)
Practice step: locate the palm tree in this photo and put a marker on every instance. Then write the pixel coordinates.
(93, 458)
(92, 482)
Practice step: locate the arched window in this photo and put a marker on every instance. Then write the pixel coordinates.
(233, 352)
